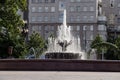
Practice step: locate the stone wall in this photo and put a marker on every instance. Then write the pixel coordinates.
(60, 65)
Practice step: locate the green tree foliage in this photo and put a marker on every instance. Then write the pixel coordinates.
(37, 42)
(112, 50)
(105, 45)
(112, 53)
(97, 40)
(117, 42)
(10, 25)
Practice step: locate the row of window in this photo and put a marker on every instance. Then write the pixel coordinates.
(81, 0)
(77, 28)
(43, 19)
(60, 19)
(81, 18)
(53, 1)
(72, 9)
(43, 9)
(43, 1)
(79, 8)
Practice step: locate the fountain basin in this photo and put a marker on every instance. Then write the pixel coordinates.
(62, 55)
(59, 65)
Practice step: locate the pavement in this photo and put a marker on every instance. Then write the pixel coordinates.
(58, 75)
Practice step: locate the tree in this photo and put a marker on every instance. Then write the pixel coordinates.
(117, 42)
(110, 49)
(111, 53)
(10, 25)
(97, 40)
(36, 42)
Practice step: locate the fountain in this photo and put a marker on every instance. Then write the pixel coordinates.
(32, 54)
(65, 45)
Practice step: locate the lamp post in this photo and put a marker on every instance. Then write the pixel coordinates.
(85, 40)
(25, 30)
(25, 33)
(102, 54)
(10, 50)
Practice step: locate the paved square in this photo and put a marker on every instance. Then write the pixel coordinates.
(58, 75)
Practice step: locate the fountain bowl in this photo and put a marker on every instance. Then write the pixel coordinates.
(62, 55)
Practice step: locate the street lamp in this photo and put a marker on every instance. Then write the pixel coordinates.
(25, 33)
(85, 38)
(102, 54)
(10, 50)
(25, 30)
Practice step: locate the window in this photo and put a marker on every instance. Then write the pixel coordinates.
(33, 9)
(61, 5)
(46, 18)
(40, 1)
(119, 5)
(84, 27)
(84, 8)
(91, 27)
(52, 9)
(52, 1)
(34, 1)
(72, 28)
(33, 19)
(102, 36)
(46, 1)
(39, 19)
(46, 9)
(52, 27)
(61, 17)
(53, 19)
(111, 3)
(72, 18)
(78, 18)
(101, 28)
(40, 9)
(119, 27)
(46, 28)
(72, 9)
(91, 18)
(91, 8)
(78, 0)
(78, 8)
(78, 28)
(39, 28)
(118, 20)
(84, 18)
(72, 0)
(119, 12)
(33, 28)
(91, 37)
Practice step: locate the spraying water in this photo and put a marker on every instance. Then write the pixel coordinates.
(65, 44)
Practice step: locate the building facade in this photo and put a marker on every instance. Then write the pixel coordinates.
(111, 9)
(44, 16)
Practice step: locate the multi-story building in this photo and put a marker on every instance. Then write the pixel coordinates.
(111, 9)
(82, 15)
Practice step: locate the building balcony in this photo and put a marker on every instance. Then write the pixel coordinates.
(102, 20)
(117, 30)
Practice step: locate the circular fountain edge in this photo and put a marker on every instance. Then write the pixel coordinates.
(62, 55)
